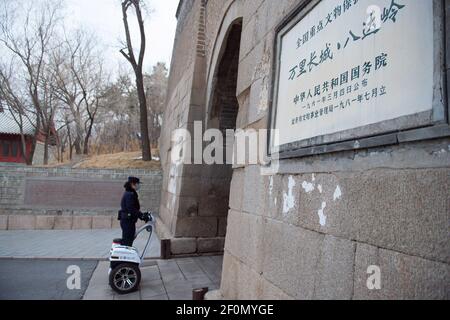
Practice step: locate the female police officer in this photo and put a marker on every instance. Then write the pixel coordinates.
(130, 211)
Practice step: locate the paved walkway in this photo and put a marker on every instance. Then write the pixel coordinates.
(162, 279)
(67, 244)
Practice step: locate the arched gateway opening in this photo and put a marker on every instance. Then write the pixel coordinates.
(222, 114)
(224, 105)
(195, 207)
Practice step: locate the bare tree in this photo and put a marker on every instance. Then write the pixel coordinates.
(66, 87)
(137, 66)
(156, 88)
(48, 111)
(79, 82)
(63, 134)
(92, 92)
(30, 46)
(56, 80)
(115, 131)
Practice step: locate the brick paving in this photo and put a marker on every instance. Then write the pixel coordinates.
(66, 244)
(162, 279)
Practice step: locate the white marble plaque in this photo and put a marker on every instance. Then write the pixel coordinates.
(348, 64)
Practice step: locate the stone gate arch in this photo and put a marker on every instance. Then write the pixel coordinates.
(195, 201)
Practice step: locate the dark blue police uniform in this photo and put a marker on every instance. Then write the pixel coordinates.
(129, 213)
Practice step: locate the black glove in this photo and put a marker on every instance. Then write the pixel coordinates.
(145, 217)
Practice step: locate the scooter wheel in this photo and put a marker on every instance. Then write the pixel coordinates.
(125, 278)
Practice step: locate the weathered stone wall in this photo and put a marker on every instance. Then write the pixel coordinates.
(313, 229)
(215, 11)
(177, 103)
(187, 217)
(65, 198)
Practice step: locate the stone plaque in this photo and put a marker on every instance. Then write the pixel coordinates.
(73, 194)
(347, 65)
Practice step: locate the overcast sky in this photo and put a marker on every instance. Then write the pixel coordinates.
(104, 17)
